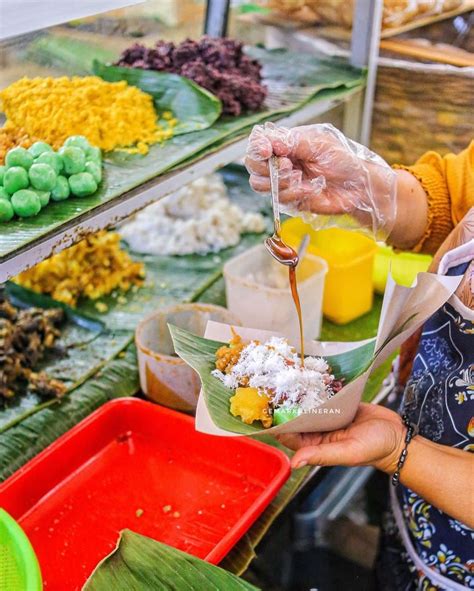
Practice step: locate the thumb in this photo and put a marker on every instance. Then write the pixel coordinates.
(338, 453)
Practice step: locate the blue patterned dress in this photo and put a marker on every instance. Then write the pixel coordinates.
(439, 398)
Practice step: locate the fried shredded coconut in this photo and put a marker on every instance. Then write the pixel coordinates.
(112, 115)
(274, 369)
(91, 268)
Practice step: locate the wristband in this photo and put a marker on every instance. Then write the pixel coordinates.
(412, 431)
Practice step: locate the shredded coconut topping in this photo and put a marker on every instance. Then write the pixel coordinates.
(274, 367)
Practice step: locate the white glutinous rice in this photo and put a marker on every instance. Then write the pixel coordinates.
(275, 367)
(199, 218)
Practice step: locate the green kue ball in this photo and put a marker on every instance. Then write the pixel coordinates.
(26, 203)
(15, 179)
(18, 157)
(94, 153)
(39, 148)
(4, 194)
(43, 197)
(95, 170)
(74, 159)
(6, 210)
(82, 184)
(2, 174)
(52, 159)
(42, 177)
(78, 141)
(61, 189)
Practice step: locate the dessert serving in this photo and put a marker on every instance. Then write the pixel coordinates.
(270, 382)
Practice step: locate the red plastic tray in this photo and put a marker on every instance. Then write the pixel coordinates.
(133, 464)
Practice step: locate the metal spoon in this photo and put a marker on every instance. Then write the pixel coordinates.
(280, 251)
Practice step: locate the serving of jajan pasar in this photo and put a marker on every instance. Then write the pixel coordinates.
(272, 382)
(253, 381)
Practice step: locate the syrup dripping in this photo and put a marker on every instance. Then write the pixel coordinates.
(283, 253)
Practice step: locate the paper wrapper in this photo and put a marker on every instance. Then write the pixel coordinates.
(404, 310)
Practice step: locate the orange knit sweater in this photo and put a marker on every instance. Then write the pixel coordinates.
(449, 183)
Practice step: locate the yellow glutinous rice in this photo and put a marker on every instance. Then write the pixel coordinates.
(91, 268)
(112, 115)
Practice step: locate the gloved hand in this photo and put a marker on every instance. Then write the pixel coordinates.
(324, 173)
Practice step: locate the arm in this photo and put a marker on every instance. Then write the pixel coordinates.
(433, 196)
(440, 474)
(412, 212)
(323, 172)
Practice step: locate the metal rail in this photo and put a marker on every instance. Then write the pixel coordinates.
(217, 18)
(366, 28)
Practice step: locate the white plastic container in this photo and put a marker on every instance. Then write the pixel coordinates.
(258, 293)
(164, 377)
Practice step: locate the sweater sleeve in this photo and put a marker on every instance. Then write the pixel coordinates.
(449, 183)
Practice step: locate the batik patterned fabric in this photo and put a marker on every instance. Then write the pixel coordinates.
(439, 398)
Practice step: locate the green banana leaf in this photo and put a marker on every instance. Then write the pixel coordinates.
(123, 172)
(69, 55)
(169, 279)
(25, 298)
(199, 353)
(193, 106)
(23, 441)
(85, 346)
(143, 564)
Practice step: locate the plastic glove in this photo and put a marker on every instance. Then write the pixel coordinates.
(324, 173)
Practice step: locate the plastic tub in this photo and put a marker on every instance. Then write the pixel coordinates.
(258, 292)
(164, 377)
(136, 465)
(350, 257)
(405, 266)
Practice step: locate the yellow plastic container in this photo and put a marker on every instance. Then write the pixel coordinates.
(348, 291)
(404, 266)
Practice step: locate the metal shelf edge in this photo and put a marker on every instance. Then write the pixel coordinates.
(34, 15)
(110, 213)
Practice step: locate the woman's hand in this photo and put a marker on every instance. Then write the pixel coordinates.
(375, 438)
(323, 172)
(438, 473)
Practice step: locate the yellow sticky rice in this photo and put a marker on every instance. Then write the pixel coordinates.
(112, 115)
(91, 268)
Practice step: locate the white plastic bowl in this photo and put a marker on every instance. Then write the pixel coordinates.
(164, 377)
(253, 297)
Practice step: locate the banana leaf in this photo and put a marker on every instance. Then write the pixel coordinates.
(25, 298)
(143, 564)
(199, 353)
(22, 442)
(70, 56)
(84, 346)
(169, 279)
(123, 172)
(193, 106)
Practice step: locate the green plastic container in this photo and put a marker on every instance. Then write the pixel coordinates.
(405, 267)
(19, 568)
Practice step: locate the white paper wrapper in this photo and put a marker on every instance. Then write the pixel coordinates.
(404, 310)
